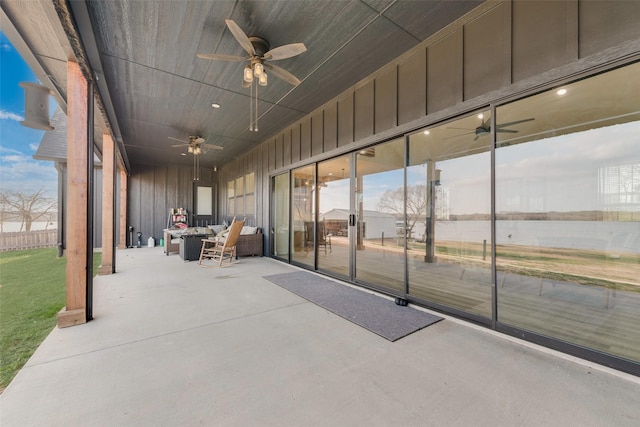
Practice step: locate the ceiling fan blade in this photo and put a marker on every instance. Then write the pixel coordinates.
(179, 140)
(506, 125)
(283, 74)
(459, 135)
(240, 35)
(220, 57)
(472, 130)
(213, 146)
(506, 131)
(286, 51)
(179, 145)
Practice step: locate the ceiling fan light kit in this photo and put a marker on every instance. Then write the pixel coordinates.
(254, 74)
(195, 145)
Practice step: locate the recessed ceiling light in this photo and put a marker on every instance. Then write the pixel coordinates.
(214, 105)
(426, 132)
(183, 154)
(561, 91)
(481, 116)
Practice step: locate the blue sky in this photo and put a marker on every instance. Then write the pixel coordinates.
(18, 144)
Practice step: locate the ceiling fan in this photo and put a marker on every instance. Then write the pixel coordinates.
(258, 50)
(485, 128)
(259, 57)
(196, 144)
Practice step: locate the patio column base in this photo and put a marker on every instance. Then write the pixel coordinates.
(71, 317)
(105, 269)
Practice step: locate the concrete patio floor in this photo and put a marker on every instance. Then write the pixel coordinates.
(178, 344)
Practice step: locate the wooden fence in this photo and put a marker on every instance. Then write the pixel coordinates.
(28, 240)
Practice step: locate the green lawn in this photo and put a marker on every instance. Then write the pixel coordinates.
(32, 292)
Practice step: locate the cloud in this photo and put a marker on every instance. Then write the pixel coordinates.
(10, 116)
(34, 146)
(6, 47)
(9, 150)
(20, 172)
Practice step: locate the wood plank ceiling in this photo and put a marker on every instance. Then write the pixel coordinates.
(154, 86)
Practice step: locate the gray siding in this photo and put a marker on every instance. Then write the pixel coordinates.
(153, 191)
(496, 51)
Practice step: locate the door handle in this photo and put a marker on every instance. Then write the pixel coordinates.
(352, 220)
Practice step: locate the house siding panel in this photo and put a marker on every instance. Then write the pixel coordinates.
(487, 52)
(317, 131)
(444, 73)
(330, 133)
(386, 101)
(412, 88)
(603, 25)
(545, 36)
(345, 120)
(364, 111)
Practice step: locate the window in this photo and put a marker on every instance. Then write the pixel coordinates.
(567, 186)
(241, 196)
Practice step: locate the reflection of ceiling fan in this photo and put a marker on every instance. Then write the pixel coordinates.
(258, 50)
(485, 128)
(196, 145)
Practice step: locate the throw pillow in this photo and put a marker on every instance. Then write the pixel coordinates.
(217, 229)
(248, 230)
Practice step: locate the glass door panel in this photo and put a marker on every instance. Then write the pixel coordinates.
(568, 213)
(332, 231)
(302, 215)
(280, 216)
(449, 215)
(379, 258)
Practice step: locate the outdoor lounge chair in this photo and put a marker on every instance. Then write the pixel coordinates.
(321, 235)
(220, 248)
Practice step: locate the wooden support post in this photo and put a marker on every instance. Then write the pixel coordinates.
(123, 210)
(108, 206)
(75, 311)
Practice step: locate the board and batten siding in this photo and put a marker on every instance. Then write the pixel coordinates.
(153, 191)
(497, 51)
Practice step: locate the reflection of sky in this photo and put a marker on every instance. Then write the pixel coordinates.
(552, 174)
(561, 173)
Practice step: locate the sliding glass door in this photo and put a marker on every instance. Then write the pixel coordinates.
(333, 233)
(379, 204)
(448, 209)
(303, 204)
(280, 216)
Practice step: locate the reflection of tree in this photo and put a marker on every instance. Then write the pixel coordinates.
(392, 201)
(26, 208)
(302, 203)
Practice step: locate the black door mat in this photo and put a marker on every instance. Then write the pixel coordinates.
(379, 315)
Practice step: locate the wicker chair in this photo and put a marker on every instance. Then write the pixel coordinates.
(170, 244)
(250, 244)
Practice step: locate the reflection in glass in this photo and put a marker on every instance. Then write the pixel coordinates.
(332, 228)
(379, 206)
(302, 214)
(448, 221)
(280, 217)
(568, 214)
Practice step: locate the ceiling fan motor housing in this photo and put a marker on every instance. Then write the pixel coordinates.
(260, 45)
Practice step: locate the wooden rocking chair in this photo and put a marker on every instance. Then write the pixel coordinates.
(218, 249)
